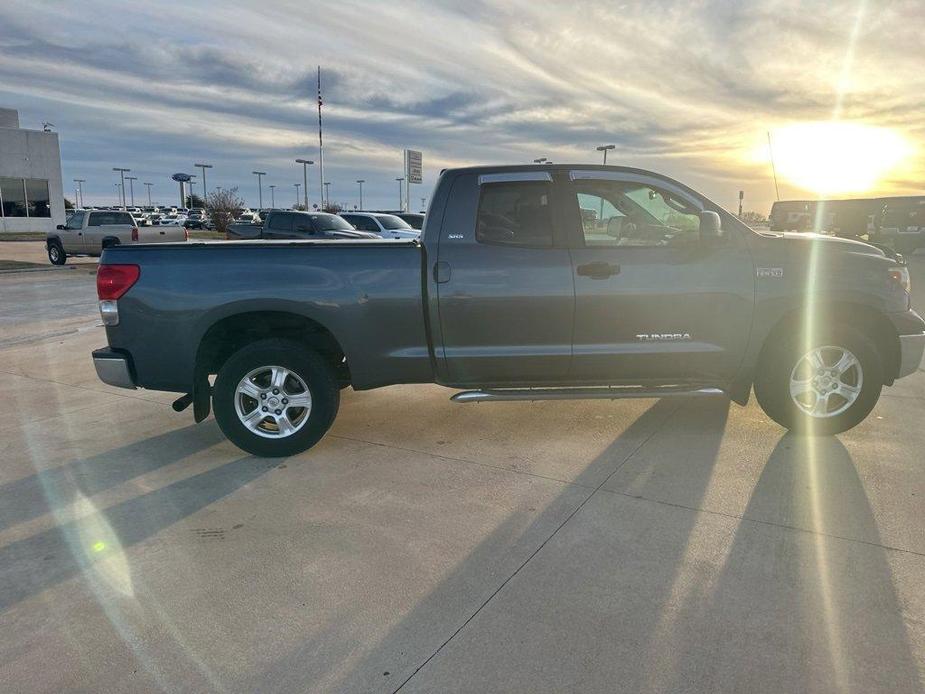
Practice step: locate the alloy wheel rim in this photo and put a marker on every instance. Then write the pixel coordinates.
(826, 381)
(273, 402)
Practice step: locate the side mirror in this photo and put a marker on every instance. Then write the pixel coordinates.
(710, 226)
(60, 226)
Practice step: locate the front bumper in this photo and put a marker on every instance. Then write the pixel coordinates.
(911, 348)
(113, 368)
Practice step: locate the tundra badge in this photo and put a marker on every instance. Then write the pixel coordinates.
(664, 337)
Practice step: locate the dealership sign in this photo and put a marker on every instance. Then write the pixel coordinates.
(414, 169)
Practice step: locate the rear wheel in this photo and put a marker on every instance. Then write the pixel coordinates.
(274, 398)
(825, 387)
(56, 254)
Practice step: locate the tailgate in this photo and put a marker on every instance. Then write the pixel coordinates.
(162, 234)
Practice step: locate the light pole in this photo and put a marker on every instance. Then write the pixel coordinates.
(604, 149)
(148, 185)
(204, 191)
(327, 195)
(188, 203)
(305, 164)
(361, 181)
(131, 186)
(400, 180)
(118, 193)
(80, 191)
(297, 185)
(122, 173)
(260, 175)
(273, 196)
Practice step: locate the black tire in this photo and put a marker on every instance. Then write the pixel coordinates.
(56, 254)
(777, 365)
(307, 365)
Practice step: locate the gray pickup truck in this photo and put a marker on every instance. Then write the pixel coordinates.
(90, 232)
(528, 283)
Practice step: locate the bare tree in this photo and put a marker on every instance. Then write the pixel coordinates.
(753, 218)
(222, 206)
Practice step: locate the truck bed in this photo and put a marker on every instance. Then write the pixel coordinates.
(367, 292)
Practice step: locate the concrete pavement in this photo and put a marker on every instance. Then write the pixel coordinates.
(428, 546)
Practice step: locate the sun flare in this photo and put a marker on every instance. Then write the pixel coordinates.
(833, 158)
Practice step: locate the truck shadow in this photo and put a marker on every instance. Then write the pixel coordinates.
(56, 488)
(38, 562)
(792, 601)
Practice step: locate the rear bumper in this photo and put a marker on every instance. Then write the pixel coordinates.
(113, 368)
(911, 348)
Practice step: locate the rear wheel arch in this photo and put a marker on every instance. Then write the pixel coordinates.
(110, 241)
(231, 333)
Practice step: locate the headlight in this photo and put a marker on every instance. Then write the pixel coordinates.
(900, 275)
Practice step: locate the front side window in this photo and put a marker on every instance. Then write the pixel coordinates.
(515, 214)
(623, 213)
(13, 195)
(75, 221)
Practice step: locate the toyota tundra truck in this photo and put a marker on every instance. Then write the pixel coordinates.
(528, 283)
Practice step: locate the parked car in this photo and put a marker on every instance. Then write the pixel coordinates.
(173, 220)
(283, 224)
(90, 232)
(388, 226)
(514, 294)
(901, 223)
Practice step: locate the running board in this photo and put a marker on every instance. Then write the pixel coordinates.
(598, 393)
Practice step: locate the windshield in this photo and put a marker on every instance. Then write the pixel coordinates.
(389, 221)
(331, 222)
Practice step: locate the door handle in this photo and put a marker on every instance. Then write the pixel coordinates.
(598, 271)
(441, 272)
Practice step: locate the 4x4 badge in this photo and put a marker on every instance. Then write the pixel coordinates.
(776, 272)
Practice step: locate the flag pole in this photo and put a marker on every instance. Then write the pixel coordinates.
(324, 202)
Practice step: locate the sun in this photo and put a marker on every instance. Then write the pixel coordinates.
(835, 157)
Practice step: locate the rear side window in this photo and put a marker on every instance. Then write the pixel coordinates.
(100, 218)
(124, 218)
(281, 222)
(515, 214)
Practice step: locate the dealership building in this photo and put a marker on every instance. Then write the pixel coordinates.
(31, 193)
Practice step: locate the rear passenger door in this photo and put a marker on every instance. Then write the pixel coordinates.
(96, 230)
(278, 226)
(504, 282)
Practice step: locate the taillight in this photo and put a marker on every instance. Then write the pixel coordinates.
(900, 275)
(134, 233)
(112, 281)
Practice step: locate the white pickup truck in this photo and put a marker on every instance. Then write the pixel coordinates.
(89, 232)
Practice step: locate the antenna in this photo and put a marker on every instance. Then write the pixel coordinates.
(773, 169)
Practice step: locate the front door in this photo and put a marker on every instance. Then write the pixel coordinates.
(504, 283)
(652, 301)
(72, 236)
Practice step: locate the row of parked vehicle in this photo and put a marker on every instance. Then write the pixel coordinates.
(292, 224)
(90, 232)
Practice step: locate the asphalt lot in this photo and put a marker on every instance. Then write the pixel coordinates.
(675, 545)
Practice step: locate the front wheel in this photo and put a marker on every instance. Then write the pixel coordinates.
(275, 398)
(824, 386)
(56, 254)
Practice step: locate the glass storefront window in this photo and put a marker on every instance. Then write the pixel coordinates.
(37, 197)
(13, 196)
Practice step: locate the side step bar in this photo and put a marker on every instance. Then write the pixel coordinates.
(597, 393)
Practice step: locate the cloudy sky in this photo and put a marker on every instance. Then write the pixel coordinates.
(687, 88)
